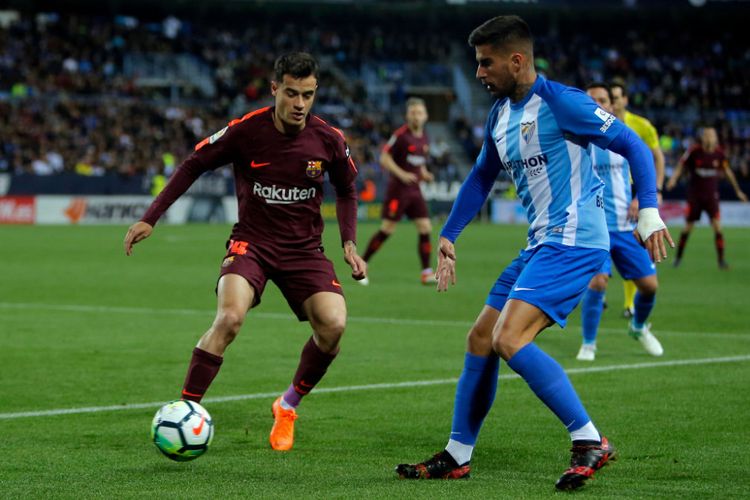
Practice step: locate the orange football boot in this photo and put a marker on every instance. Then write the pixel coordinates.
(282, 432)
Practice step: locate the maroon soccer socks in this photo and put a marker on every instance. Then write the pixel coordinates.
(203, 368)
(313, 364)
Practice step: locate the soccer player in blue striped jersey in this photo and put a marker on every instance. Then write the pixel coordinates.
(630, 258)
(539, 131)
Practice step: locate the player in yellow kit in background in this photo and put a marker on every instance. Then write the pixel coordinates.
(647, 132)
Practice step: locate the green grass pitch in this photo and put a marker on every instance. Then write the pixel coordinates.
(82, 326)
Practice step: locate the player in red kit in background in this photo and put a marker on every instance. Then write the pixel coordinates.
(705, 164)
(405, 157)
(280, 155)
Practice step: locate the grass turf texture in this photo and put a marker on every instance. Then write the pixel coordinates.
(680, 430)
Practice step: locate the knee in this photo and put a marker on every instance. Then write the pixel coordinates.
(506, 345)
(330, 326)
(648, 286)
(228, 323)
(501, 347)
(479, 340)
(336, 325)
(388, 227)
(599, 282)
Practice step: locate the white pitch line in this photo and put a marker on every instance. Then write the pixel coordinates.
(288, 317)
(206, 312)
(370, 387)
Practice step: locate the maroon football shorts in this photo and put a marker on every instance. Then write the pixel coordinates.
(410, 203)
(696, 205)
(298, 273)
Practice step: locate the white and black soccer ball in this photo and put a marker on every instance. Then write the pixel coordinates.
(182, 430)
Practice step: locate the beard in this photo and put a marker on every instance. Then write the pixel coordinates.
(503, 89)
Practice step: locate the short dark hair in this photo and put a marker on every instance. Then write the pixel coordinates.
(296, 65)
(620, 84)
(600, 85)
(501, 31)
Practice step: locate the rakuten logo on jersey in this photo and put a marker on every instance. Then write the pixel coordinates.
(275, 195)
(416, 160)
(706, 172)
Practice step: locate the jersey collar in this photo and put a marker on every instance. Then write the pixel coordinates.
(520, 104)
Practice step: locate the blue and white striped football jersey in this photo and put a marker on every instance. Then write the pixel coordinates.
(542, 143)
(614, 171)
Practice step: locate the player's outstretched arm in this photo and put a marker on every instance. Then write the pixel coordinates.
(651, 230)
(137, 232)
(357, 263)
(733, 180)
(652, 233)
(446, 269)
(672, 182)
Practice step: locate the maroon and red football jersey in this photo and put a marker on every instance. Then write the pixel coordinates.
(410, 153)
(278, 177)
(705, 169)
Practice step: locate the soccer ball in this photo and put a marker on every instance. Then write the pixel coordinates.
(182, 430)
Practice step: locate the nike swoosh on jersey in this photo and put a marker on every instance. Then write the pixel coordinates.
(258, 165)
(522, 289)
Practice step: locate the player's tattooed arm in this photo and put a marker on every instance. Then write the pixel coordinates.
(446, 269)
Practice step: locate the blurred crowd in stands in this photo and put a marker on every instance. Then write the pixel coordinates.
(70, 103)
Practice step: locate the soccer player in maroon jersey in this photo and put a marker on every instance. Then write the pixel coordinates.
(405, 157)
(280, 155)
(705, 163)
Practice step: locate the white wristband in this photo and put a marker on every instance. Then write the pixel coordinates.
(649, 222)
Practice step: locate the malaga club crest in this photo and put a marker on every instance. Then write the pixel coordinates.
(527, 131)
(314, 168)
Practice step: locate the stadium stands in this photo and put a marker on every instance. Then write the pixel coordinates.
(93, 94)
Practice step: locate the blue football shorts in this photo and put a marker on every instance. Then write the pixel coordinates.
(550, 276)
(630, 258)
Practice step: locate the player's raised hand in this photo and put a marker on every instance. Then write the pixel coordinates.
(137, 232)
(357, 263)
(651, 232)
(446, 269)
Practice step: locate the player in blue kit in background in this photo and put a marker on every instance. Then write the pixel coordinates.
(630, 258)
(539, 132)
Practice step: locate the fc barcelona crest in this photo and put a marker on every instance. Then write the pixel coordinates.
(314, 168)
(527, 131)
